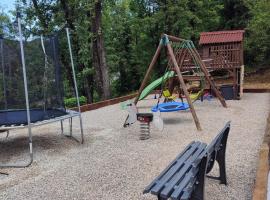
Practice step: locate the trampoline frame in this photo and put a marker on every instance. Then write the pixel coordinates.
(70, 114)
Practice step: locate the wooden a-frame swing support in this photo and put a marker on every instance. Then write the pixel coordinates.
(165, 42)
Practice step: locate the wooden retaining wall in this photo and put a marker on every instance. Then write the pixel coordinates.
(108, 102)
(258, 90)
(261, 183)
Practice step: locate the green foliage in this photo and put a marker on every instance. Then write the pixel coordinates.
(236, 14)
(132, 28)
(258, 40)
(72, 102)
(5, 25)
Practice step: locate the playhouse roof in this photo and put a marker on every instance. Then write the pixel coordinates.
(221, 37)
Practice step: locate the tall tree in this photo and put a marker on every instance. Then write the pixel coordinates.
(69, 8)
(258, 37)
(114, 40)
(98, 52)
(235, 14)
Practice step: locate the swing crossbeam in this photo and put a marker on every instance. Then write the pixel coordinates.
(176, 62)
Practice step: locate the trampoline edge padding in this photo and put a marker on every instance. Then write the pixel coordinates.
(19, 117)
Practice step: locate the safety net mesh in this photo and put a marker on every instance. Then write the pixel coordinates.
(43, 70)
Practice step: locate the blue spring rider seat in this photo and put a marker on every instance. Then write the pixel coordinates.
(171, 106)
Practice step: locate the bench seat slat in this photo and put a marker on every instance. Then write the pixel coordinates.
(154, 182)
(181, 189)
(178, 176)
(189, 188)
(187, 191)
(177, 165)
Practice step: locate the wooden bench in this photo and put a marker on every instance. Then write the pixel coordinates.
(184, 177)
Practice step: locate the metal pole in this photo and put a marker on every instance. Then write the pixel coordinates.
(26, 91)
(75, 83)
(62, 128)
(3, 71)
(45, 79)
(29, 126)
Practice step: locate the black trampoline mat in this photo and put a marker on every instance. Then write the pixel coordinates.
(18, 117)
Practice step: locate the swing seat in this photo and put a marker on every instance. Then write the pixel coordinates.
(196, 96)
(168, 95)
(171, 106)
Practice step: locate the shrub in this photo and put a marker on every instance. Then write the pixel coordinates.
(72, 102)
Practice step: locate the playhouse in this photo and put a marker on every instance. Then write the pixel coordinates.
(225, 51)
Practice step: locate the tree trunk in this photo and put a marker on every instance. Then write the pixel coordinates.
(87, 81)
(98, 53)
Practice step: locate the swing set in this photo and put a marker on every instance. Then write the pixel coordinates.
(177, 50)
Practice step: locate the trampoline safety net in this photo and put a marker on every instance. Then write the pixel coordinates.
(44, 81)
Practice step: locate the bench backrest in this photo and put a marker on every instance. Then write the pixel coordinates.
(218, 143)
(178, 178)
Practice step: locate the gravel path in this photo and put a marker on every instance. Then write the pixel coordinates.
(114, 164)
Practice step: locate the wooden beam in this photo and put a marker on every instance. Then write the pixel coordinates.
(241, 81)
(234, 83)
(182, 58)
(206, 73)
(191, 107)
(152, 64)
(175, 39)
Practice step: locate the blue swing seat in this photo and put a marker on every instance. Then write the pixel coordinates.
(171, 106)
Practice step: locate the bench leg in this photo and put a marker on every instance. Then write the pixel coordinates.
(221, 160)
(221, 155)
(222, 166)
(198, 193)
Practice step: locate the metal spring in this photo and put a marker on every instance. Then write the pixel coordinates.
(145, 130)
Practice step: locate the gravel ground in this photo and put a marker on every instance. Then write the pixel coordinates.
(114, 164)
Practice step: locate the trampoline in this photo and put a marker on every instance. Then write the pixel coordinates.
(19, 117)
(31, 87)
(170, 107)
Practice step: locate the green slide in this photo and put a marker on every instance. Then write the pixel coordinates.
(155, 83)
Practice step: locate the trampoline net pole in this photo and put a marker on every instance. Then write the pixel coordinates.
(75, 81)
(3, 71)
(25, 89)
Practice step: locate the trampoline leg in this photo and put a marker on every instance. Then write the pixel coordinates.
(70, 135)
(81, 127)
(31, 152)
(62, 129)
(70, 127)
(7, 134)
(26, 164)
